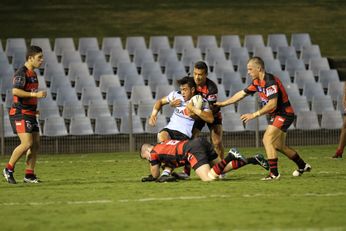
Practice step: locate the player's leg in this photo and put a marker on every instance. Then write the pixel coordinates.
(216, 138)
(203, 173)
(31, 157)
(342, 141)
(163, 136)
(271, 135)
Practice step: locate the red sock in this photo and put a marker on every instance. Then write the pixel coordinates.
(237, 164)
(10, 167)
(273, 165)
(29, 172)
(339, 152)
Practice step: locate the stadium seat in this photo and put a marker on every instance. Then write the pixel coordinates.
(53, 69)
(125, 125)
(105, 125)
(340, 104)
(131, 81)
(265, 53)
(158, 42)
(322, 104)
(66, 93)
(125, 69)
(72, 109)
(222, 66)
(18, 59)
(247, 105)
(335, 89)
(68, 57)
(221, 95)
(90, 93)
(331, 120)
(116, 94)
(87, 43)
(238, 54)
(166, 55)
(109, 43)
(134, 43)
(303, 77)
(252, 124)
(122, 109)
(229, 41)
(119, 55)
(145, 108)
(307, 120)
(15, 44)
(49, 58)
(299, 103)
(93, 56)
(311, 90)
(8, 132)
(54, 126)
(229, 78)
(285, 53)
(272, 65)
(8, 98)
(98, 108)
(283, 76)
(253, 41)
(235, 88)
(163, 90)
(140, 93)
(84, 81)
(205, 42)
(174, 68)
(80, 126)
(107, 81)
(77, 69)
(292, 90)
(277, 40)
(63, 44)
(213, 55)
(161, 122)
(47, 101)
(228, 109)
(318, 64)
(310, 52)
(242, 69)
(191, 55)
(3, 59)
(44, 43)
(102, 68)
(292, 65)
(156, 79)
(327, 76)
(47, 111)
(142, 55)
(182, 42)
(299, 40)
(149, 67)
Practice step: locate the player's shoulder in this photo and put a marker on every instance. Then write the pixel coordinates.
(269, 79)
(212, 87)
(20, 71)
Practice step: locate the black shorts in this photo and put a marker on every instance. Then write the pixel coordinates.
(283, 122)
(199, 124)
(175, 135)
(199, 152)
(22, 123)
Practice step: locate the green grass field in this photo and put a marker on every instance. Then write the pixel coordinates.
(104, 192)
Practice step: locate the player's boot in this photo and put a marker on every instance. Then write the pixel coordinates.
(262, 161)
(299, 172)
(32, 178)
(236, 155)
(271, 176)
(9, 176)
(337, 155)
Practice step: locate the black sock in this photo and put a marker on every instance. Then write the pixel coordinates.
(299, 161)
(251, 160)
(273, 165)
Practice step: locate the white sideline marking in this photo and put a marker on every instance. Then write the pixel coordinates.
(149, 199)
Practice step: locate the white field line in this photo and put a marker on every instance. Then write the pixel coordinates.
(150, 199)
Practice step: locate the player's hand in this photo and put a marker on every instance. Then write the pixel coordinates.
(152, 120)
(247, 117)
(175, 103)
(148, 178)
(41, 94)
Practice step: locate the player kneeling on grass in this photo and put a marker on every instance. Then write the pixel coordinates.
(199, 153)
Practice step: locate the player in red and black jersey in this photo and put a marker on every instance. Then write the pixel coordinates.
(208, 89)
(199, 153)
(23, 115)
(275, 103)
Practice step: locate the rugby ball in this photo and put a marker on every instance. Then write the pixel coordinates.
(197, 101)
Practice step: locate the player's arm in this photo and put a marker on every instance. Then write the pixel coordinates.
(25, 94)
(270, 106)
(206, 115)
(157, 107)
(235, 98)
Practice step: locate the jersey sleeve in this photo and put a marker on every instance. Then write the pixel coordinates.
(213, 92)
(251, 89)
(171, 96)
(19, 81)
(154, 159)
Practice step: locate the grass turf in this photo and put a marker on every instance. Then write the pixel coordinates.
(104, 192)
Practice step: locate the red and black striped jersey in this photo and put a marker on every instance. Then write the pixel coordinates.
(209, 91)
(170, 152)
(268, 88)
(26, 80)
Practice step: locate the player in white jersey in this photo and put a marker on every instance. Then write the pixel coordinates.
(184, 115)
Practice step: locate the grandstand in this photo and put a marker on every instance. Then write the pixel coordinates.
(112, 83)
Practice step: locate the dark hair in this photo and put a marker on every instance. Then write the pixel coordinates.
(32, 51)
(202, 65)
(187, 80)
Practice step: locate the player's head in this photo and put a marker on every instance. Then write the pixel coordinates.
(34, 56)
(255, 66)
(187, 87)
(145, 151)
(200, 73)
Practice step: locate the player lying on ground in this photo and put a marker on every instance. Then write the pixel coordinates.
(199, 153)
